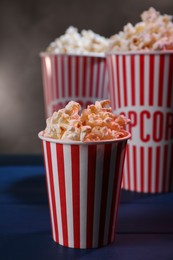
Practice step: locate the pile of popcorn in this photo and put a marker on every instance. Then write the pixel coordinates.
(73, 42)
(154, 32)
(95, 123)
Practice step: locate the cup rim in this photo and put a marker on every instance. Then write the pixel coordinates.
(142, 52)
(59, 141)
(96, 55)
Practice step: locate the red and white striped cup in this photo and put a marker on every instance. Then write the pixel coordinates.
(84, 183)
(80, 78)
(141, 87)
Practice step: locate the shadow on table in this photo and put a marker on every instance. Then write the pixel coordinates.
(31, 190)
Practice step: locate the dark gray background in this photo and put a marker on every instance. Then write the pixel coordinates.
(26, 28)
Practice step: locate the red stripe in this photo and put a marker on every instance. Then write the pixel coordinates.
(141, 88)
(151, 80)
(171, 171)
(116, 192)
(61, 177)
(77, 76)
(118, 81)
(84, 76)
(142, 167)
(69, 61)
(170, 82)
(76, 194)
(157, 168)
(135, 167)
(91, 76)
(98, 60)
(63, 76)
(56, 77)
(49, 159)
(133, 93)
(125, 80)
(106, 166)
(128, 167)
(161, 78)
(164, 170)
(149, 168)
(90, 193)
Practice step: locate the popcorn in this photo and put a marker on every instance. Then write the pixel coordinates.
(95, 123)
(154, 32)
(73, 42)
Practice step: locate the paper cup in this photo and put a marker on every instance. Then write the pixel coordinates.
(73, 77)
(84, 181)
(141, 87)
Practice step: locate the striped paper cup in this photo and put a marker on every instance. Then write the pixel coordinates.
(141, 87)
(80, 78)
(83, 182)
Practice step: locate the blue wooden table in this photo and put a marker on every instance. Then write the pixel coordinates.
(144, 228)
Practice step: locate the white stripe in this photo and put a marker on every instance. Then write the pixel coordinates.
(88, 67)
(121, 88)
(161, 168)
(83, 193)
(115, 98)
(45, 86)
(122, 161)
(98, 192)
(128, 80)
(95, 71)
(73, 79)
(110, 191)
(48, 75)
(124, 183)
(153, 172)
(137, 81)
(69, 194)
(146, 163)
(101, 79)
(81, 76)
(56, 189)
(105, 93)
(165, 80)
(59, 72)
(156, 79)
(138, 169)
(146, 79)
(49, 190)
(53, 79)
(66, 79)
(131, 168)
(168, 165)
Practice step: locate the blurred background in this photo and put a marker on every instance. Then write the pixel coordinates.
(26, 29)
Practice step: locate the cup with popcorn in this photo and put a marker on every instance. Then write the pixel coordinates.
(74, 68)
(84, 154)
(140, 68)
